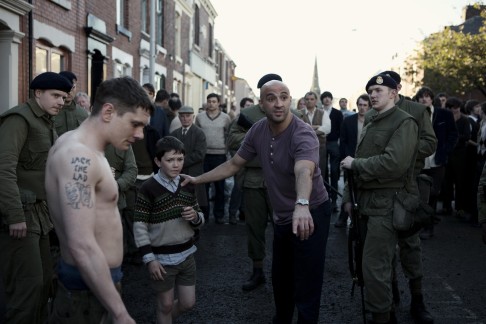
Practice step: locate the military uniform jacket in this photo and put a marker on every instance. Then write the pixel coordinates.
(123, 161)
(69, 118)
(26, 135)
(253, 174)
(428, 141)
(385, 150)
(384, 155)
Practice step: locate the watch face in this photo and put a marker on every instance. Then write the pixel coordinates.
(302, 202)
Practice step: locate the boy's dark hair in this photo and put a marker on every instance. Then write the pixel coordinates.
(213, 95)
(167, 144)
(425, 91)
(124, 93)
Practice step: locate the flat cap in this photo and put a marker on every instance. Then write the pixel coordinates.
(383, 80)
(186, 110)
(394, 75)
(69, 75)
(268, 77)
(51, 80)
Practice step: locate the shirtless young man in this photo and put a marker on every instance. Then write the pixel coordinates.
(82, 197)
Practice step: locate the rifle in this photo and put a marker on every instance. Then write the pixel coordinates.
(355, 244)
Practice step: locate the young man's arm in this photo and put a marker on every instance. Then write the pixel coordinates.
(302, 223)
(77, 201)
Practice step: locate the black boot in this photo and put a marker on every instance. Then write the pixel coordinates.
(391, 320)
(418, 311)
(396, 293)
(256, 279)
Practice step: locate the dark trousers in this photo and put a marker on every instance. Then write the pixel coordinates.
(298, 269)
(437, 175)
(211, 161)
(27, 271)
(236, 200)
(334, 160)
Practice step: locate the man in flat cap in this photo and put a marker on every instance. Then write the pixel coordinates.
(71, 115)
(26, 135)
(194, 141)
(380, 168)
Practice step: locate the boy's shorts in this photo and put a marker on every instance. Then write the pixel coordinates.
(183, 274)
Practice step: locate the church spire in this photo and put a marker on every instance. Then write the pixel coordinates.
(315, 80)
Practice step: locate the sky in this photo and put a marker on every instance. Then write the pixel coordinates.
(351, 39)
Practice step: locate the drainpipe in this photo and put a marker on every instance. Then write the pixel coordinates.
(153, 9)
(31, 46)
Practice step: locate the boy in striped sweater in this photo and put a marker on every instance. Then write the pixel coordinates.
(166, 217)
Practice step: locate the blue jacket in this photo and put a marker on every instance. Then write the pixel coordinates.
(446, 133)
(349, 136)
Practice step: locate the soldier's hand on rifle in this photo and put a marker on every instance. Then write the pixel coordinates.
(348, 208)
(302, 222)
(346, 163)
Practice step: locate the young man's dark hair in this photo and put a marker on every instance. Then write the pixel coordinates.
(162, 95)
(483, 107)
(175, 103)
(469, 106)
(425, 91)
(364, 97)
(244, 101)
(149, 87)
(326, 94)
(213, 95)
(167, 144)
(124, 93)
(453, 102)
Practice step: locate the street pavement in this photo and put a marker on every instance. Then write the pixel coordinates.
(454, 284)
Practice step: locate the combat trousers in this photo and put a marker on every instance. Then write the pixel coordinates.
(410, 247)
(379, 249)
(411, 256)
(27, 271)
(257, 212)
(298, 269)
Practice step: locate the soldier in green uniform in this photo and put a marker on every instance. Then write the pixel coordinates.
(380, 168)
(26, 135)
(259, 211)
(124, 168)
(410, 249)
(71, 115)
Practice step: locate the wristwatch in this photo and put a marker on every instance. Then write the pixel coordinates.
(302, 202)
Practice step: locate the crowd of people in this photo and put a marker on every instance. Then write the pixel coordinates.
(133, 175)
